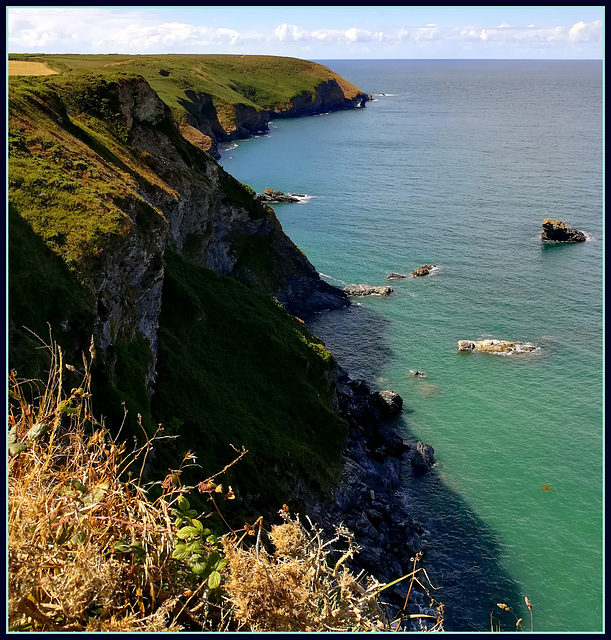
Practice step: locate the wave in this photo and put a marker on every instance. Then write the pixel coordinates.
(324, 275)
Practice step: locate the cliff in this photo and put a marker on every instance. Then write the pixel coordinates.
(218, 98)
(122, 229)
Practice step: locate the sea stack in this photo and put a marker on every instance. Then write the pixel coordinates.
(557, 231)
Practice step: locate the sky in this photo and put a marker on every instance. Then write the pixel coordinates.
(313, 33)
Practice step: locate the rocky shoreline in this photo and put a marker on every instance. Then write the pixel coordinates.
(368, 500)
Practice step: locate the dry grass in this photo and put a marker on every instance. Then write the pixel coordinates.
(72, 505)
(297, 587)
(22, 68)
(89, 550)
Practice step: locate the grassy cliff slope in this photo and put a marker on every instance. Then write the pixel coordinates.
(121, 229)
(222, 95)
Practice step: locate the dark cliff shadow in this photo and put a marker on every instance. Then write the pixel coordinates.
(462, 555)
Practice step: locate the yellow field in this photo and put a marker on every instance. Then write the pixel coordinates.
(20, 68)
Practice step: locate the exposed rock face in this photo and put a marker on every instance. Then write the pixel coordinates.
(271, 196)
(395, 276)
(328, 96)
(424, 270)
(367, 290)
(242, 121)
(557, 231)
(496, 346)
(191, 205)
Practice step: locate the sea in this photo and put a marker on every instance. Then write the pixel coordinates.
(455, 163)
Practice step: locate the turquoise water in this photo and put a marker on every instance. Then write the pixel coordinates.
(457, 165)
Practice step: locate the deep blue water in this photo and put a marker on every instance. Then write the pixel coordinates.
(457, 165)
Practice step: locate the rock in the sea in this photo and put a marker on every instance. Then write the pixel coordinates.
(423, 458)
(417, 373)
(395, 276)
(424, 270)
(496, 346)
(385, 404)
(277, 197)
(367, 290)
(557, 231)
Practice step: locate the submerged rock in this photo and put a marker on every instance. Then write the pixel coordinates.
(424, 270)
(276, 197)
(557, 231)
(496, 346)
(367, 290)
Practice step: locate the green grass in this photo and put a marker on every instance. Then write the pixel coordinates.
(262, 82)
(236, 369)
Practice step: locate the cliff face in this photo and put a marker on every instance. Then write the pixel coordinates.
(242, 121)
(172, 196)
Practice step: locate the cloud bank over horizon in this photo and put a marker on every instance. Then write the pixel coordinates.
(140, 31)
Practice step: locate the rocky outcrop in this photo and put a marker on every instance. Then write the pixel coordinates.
(557, 231)
(367, 290)
(496, 346)
(377, 461)
(271, 196)
(395, 276)
(424, 270)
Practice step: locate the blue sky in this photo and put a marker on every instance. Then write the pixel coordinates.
(315, 33)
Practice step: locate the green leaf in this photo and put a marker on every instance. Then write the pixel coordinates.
(183, 503)
(180, 551)
(194, 547)
(221, 564)
(79, 486)
(191, 513)
(199, 526)
(78, 538)
(187, 532)
(214, 580)
(17, 447)
(39, 429)
(121, 547)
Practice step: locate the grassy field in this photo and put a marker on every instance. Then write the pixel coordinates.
(262, 82)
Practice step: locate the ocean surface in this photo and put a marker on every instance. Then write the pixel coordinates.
(456, 163)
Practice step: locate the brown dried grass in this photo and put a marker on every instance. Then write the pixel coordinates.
(75, 493)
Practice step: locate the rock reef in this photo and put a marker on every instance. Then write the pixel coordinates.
(367, 290)
(395, 276)
(271, 196)
(496, 346)
(558, 231)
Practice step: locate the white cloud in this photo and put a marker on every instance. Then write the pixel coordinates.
(105, 30)
(580, 32)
